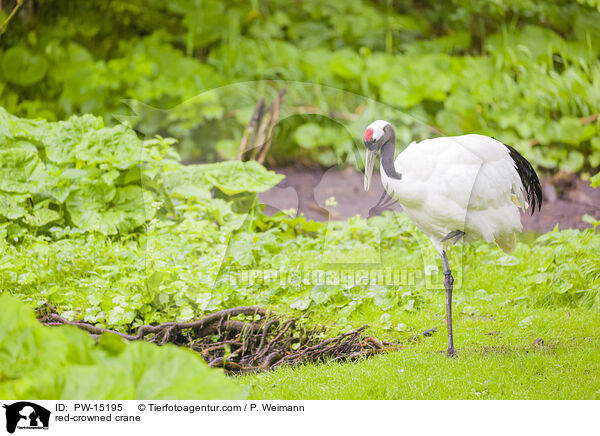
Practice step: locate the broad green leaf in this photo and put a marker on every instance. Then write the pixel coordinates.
(118, 146)
(570, 130)
(385, 298)
(308, 135)
(347, 64)
(590, 220)
(21, 170)
(234, 177)
(574, 161)
(301, 303)
(111, 210)
(64, 363)
(13, 206)
(188, 182)
(61, 139)
(23, 68)
(41, 217)
(400, 94)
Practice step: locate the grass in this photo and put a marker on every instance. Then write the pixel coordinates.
(548, 288)
(505, 365)
(499, 312)
(183, 261)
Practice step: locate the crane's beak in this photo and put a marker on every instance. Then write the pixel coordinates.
(369, 161)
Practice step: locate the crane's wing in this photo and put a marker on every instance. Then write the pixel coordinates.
(473, 170)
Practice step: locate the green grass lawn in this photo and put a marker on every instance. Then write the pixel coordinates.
(504, 365)
(120, 252)
(547, 289)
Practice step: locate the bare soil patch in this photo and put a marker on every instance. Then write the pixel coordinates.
(307, 189)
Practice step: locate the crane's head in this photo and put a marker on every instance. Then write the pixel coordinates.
(377, 134)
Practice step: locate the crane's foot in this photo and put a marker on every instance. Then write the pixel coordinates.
(451, 352)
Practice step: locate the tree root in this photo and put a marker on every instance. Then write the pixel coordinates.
(259, 344)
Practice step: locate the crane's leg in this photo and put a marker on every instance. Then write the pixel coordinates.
(448, 282)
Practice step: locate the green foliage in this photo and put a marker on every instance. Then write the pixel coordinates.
(204, 235)
(81, 175)
(596, 181)
(235, 177)
(64, 363)
(76, 173)
(208, 246)
(20, 67)
(113, 229)
(525, 72)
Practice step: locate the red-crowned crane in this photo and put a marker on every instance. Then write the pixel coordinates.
(461, 187)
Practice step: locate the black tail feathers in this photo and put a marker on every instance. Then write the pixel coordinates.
(529, 179)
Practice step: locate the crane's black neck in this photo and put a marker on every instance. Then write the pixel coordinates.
(387, 155)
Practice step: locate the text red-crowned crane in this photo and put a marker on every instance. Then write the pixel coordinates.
(466, 187)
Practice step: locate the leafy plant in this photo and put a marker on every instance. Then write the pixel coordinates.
(79, 174)
(107, 259)
(595, 182)
(521, 71)
(65, 363)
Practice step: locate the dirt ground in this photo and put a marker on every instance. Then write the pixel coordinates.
(311, 191)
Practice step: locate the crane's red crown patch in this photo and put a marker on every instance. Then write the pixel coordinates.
(368, 135)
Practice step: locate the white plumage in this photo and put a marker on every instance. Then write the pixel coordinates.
(466, 187)
(462, 183)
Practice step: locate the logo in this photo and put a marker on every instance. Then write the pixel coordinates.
(26, 415)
